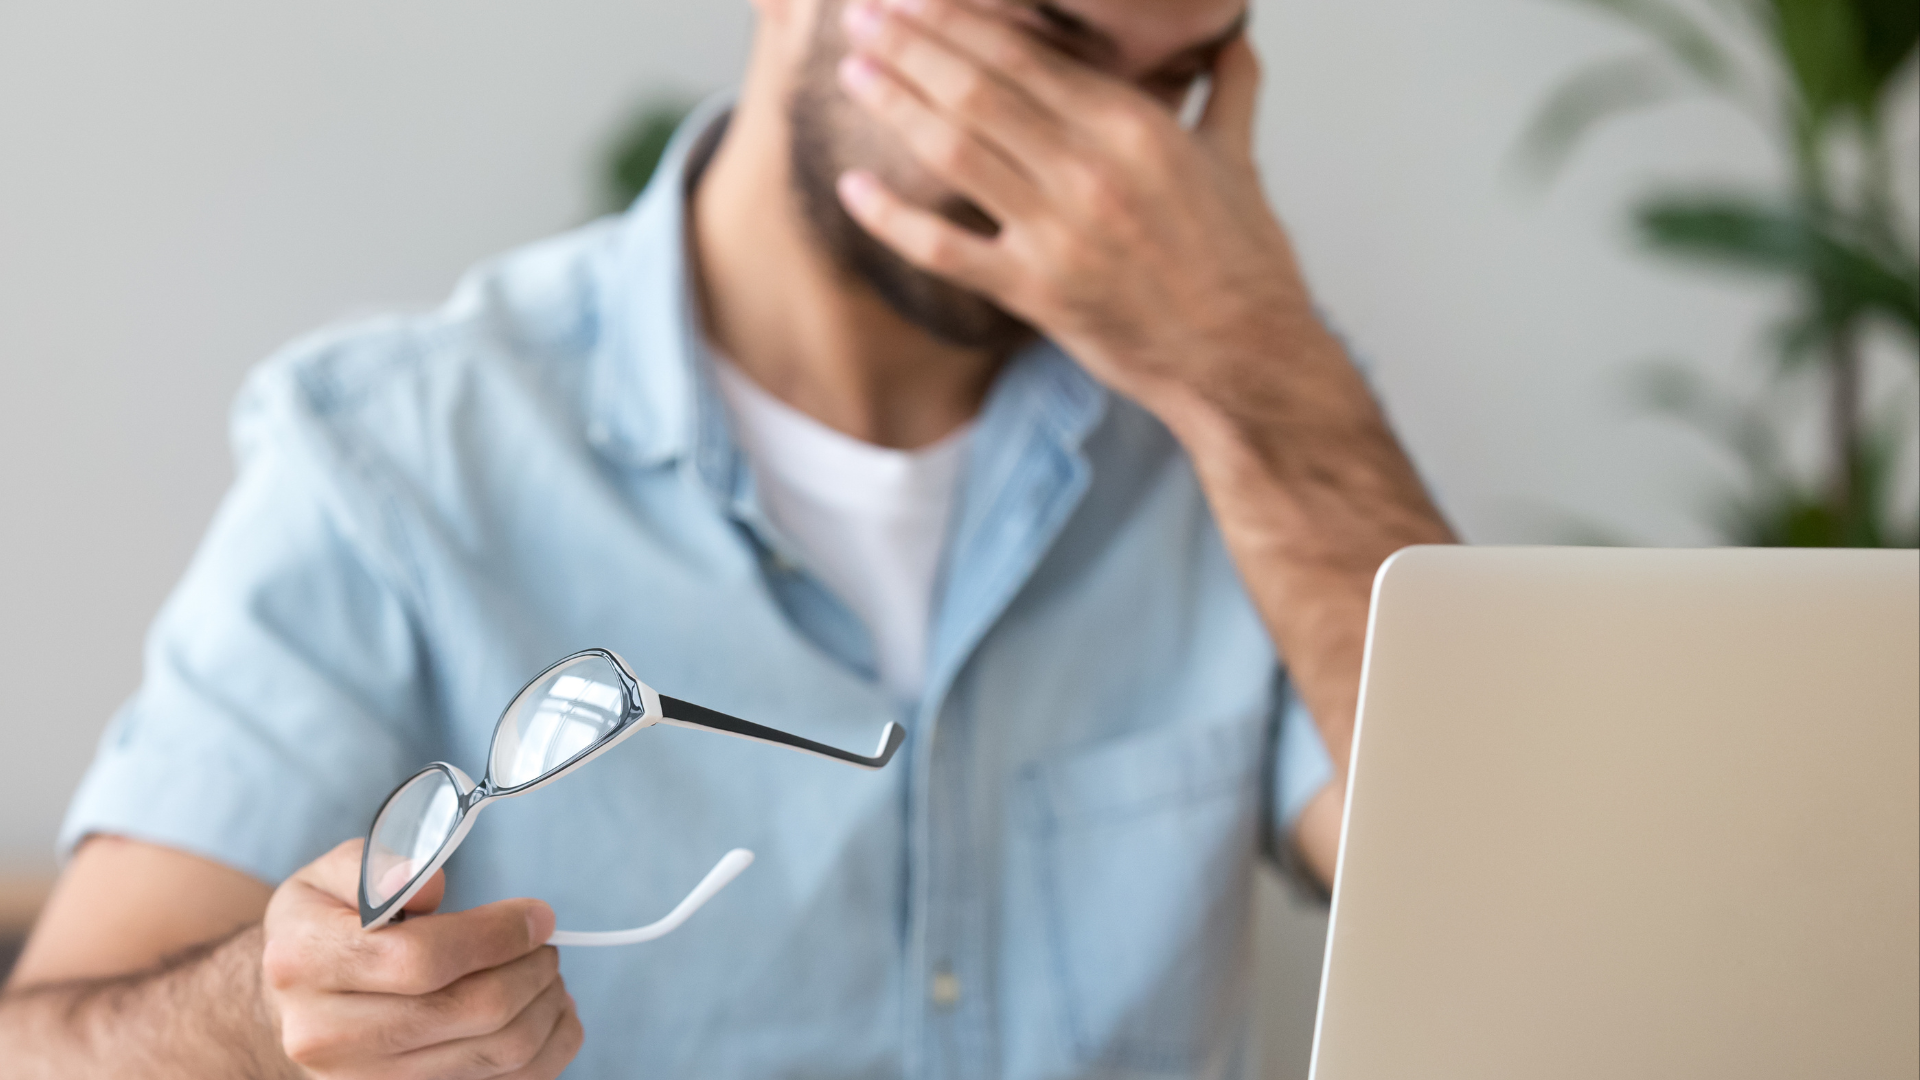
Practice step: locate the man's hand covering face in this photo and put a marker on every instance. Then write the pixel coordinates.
(1145, 250)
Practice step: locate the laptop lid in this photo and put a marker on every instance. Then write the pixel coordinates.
(1632, 813)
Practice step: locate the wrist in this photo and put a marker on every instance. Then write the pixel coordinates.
(1298, 459)
(1277, 368)
(247, 951)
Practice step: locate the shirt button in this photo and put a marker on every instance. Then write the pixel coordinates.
(945, 990)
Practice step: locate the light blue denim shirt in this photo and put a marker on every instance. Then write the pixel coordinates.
(1051, 880)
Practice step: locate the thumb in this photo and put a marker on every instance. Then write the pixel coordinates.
(1228, 119)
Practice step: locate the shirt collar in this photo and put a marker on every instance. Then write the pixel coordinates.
(645, 406)
(652, 396)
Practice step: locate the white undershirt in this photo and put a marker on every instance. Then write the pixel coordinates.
(870, 521)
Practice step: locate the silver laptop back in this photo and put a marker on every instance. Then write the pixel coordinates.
(1632, 814)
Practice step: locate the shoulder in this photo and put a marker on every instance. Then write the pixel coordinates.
(529, 319)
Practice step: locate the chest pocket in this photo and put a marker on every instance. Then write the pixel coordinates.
(1146, 847)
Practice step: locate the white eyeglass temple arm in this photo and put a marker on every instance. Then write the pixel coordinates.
(724, 871)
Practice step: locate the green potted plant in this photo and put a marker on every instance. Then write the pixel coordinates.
(1818, 76)
(635, 149)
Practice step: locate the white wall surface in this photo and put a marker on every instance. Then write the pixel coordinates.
(183, 186)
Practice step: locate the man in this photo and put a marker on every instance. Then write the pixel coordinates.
(801, 439)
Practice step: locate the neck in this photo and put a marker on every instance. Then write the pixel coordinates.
(812, 335)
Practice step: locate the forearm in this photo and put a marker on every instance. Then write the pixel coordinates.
(1312, 493)
(198, 1014)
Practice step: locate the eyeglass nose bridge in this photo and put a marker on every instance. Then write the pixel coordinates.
(640, 709)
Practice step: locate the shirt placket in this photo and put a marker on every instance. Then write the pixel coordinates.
(956, 957)
(1019, 493)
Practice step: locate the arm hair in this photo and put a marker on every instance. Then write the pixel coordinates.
(199, 1012)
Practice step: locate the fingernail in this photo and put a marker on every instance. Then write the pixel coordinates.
(861, 18)
(858, 73)
(539, 924)
(857, 187)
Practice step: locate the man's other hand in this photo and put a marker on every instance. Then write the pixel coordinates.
(1144, 249)
(459, 996)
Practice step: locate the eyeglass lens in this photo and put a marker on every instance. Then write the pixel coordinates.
(554, 720)
(411, 829)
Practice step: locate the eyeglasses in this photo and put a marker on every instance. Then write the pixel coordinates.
(568, 715)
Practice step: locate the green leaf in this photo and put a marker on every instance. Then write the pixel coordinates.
(636, 150)
(1820, 41)
(1729, 228)
(1847, 279)
(1889, 30)
(1685, 40)
(1798, 337)
(1589, 97)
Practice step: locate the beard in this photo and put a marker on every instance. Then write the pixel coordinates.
(827, 134)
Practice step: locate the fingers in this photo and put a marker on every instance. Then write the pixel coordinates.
(950, 151)
(992, 40)
(1230, 103)
(562, 1044)
(999, 113)
(337, 873)
(314, 941)
(328, 1028)
(505, 1051)
(467, 994)
(922, 237)
(961, 83)
(424, 954)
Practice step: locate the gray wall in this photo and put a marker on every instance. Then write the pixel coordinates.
(183, 186)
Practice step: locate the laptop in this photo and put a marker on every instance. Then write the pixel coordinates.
(1623, 813)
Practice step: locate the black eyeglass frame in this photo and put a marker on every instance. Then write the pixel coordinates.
(641, 707)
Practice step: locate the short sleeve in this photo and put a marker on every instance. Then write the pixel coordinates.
(283, 692)
(1300, 768)
(1304, 766)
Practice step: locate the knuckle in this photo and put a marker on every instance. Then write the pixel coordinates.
(1135, 134)
(949, 153)
(1012, 55)
(488, 1005)
(485, 1060)
(939, 17)
(505, 1051)
(404, 965)
(522, 1042)
(283, 963)
(304, 1043)
(569, 1036)
(1097, 191)
(888, 38)
(938, 250)
(407, 1029)
(1009, 53)
(972, 91)
(1068, 262)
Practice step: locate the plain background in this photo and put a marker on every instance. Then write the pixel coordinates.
(184, 186)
